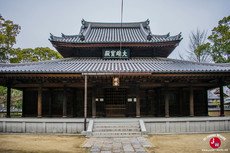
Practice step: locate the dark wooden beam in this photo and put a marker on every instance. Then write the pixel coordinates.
(8, 101)
(64, 103)
(94, 109)
(39, 102)
(85, 103)
(153, 84)
(181, 98)
(166, 103)
(48, 85)
(51, 96)
(221, 100)
(191, 101)
(138, 107)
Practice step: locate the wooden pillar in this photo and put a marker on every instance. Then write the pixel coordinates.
(39, 102)
(167, 105)
(159, 94)
(64, 104)
(50, 102)
(94, 111)
(85, 103)
(138, 112)
(72, 105)
(23, 103)
(206, 102)
(8, 101)
(191, 102)
(181, 101)
(221, 101)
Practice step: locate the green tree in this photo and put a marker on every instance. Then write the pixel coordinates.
(8, 33)
(26, 55)
(33, 55)
(2, 94)
(220, 41)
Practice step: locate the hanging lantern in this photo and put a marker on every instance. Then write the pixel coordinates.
(116, 81)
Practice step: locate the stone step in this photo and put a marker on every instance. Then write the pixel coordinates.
(116, 129)
(131, 123)
(120, 125)
(128, 129)
(116, 134)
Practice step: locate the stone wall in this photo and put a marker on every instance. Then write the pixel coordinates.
(187, 125)
(37, 125)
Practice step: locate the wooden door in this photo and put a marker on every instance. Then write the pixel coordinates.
(115, 99)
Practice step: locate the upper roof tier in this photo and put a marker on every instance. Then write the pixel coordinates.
(95, 36)
(97, 32)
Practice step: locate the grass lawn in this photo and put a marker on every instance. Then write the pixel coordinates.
(185, 143)
(31, 143)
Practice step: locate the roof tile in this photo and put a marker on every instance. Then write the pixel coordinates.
(95, 32)
(98, 65)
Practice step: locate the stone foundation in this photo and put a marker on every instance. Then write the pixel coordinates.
(153, 125)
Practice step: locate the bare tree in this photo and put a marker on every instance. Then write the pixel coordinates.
(198, 49)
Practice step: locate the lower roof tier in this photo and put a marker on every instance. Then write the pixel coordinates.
(98, 65)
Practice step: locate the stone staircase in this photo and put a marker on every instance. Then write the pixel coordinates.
(116, 129)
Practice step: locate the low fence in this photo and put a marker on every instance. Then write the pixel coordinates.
(41, 125)
(152, 125)
(188, 125)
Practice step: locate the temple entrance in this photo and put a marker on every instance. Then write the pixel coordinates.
(115, 102)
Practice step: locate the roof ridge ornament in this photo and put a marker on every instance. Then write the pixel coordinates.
(82, 37)
(147, 21)
(83, 22)
(63, 35)
(168, 34)
(149, 37)
(179, 35)
(51, 36)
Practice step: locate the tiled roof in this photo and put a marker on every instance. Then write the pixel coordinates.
(98, 65)
(96, 32)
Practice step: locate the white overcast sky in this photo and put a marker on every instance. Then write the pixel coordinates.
(38, 18)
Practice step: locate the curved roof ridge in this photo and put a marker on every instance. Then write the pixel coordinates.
(164, 36)
(68, 36)
(86, 32)
(114, 24)
(175, 37)
(143, 31)
(52, 37)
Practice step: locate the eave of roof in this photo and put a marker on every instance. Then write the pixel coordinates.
(98, 65)
(115, 44)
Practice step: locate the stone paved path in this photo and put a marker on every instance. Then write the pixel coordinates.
(117, 145)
